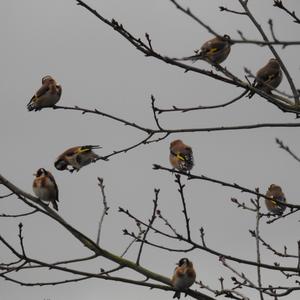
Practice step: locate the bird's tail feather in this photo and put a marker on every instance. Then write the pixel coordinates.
(193, 58)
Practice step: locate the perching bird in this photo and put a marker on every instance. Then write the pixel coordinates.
(268, 77)
(181, 156)
(76, 157)
(275, 192)
(45, 187)
(184, 276)
(214, 51)
(47, 96)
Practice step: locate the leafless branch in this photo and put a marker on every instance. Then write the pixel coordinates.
(257, 234)
(287, 149)
(276, 217)
(154, 109)
(279, 4)
(202, 234)
(242, 205)
(188, 12)
(6, 196)
(195, 245)
(18, 215)
(232, 185)
(201, 107)
(271, 25)
(105, 208)
(223, 8)
(265, 38)
(269, 247)
(151, 221)
(183, 201)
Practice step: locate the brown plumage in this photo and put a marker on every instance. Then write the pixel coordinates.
(47, 96)
(214, 51)
(45, 187)
(268, 77)
(184, 276)
(275, 192)
(181, 156)
(76, 157)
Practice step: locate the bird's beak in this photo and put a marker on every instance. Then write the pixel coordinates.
(34, 174)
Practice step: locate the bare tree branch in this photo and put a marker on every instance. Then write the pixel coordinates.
(151, 221)
(105, 208)
(265, 38)
(279, 4)
(287, 149)
(232, 185)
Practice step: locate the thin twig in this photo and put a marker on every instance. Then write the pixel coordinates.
(232, 185)
(105, 208)
(151, 132)
(241, 275)
(257, 233)
(287, 149)
(21, 239)
(271, 25)
(186, 217)
(202, 234)
(201, 107)
(154, 110)
(188, 12)
(276, 217)
(223, 8)
(6, 196)
(206, 249)
(169, 249)
(279, 4)
(151, 221)
(18, 215)
(168, 224)
(242, 205)
(269, 247)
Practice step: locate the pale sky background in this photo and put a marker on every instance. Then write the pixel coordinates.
(97, 68)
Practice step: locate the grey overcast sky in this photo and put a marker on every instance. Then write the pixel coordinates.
(97, 68)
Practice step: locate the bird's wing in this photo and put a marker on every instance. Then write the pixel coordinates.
(213, 47)
(50, 176)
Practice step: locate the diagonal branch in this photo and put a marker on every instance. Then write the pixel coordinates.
(188, 12)
(244, 4)
(287, 149)
(151, 221)
(279, 4)
(232, 185)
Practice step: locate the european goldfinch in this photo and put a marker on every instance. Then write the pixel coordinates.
(181, 156)
(214, 51)
(268, 77)
(275, 192)
(76, 157)
(47, 96)
(184, 276)
(45, 187)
